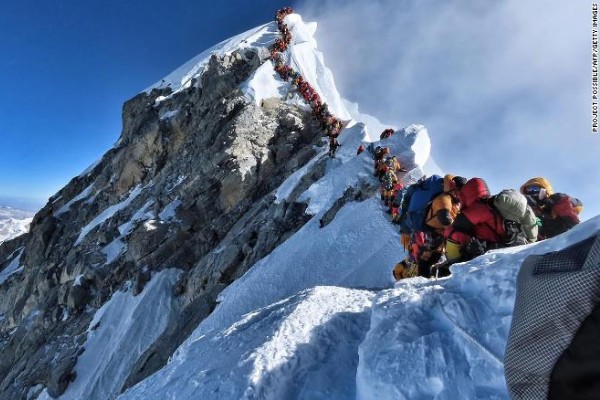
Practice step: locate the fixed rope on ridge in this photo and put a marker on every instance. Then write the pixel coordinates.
(330, 123)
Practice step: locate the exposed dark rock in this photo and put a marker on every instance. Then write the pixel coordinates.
(61, 375)
(79, 296)
(193, 190)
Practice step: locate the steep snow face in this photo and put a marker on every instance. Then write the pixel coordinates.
(249, 346)
(302, 347)
(441, 339)
(302, 55)
(119, 333)
(357, 249)
(13, 222)
(445, 339)
(259, 38)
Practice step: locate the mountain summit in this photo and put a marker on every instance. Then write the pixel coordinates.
(218, 252)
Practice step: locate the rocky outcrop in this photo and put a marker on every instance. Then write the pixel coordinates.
(360, 193)
(189, 184)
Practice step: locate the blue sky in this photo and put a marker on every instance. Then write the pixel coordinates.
(502, 86)
(68, 66)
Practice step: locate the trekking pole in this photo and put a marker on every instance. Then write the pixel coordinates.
(431, 272)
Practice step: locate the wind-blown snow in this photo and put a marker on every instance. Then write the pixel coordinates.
(121, 330)
(260, 37)
(108, 213)
(12, 268)
(85, 193)
(302, 55)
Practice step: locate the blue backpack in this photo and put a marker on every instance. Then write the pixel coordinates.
(415, 202)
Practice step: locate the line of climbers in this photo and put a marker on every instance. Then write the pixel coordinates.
(442, 220)
(452, 219)
(386, 169)
(329, 123)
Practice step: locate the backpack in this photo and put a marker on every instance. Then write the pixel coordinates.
(389, 162)
(371, 149)
(389, 179)
(417, 200)
(510, 204)
(519, 220)
(514, 234)
(386, 134)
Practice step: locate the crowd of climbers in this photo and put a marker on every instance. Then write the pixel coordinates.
(452, 219)
(329, 123)
(443, 220)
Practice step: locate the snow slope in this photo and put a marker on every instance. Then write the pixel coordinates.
(13, 267)
(13, 222)
(441, 339)
(119, 333)
(292, 349)
(445, 339)
(259, 37)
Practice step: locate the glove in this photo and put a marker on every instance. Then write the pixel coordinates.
(538, 221)
(475, 247)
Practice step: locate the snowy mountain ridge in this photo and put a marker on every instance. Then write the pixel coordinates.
(13, 222)
(218, 253)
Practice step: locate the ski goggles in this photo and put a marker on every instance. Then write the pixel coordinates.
(533, 190)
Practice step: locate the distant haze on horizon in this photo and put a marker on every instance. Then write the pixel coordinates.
(22, 204)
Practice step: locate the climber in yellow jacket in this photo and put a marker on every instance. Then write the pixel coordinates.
(445, 207)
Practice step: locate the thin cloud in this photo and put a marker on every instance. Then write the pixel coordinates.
(503, 87)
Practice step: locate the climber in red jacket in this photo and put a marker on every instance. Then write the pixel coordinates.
(477, 228)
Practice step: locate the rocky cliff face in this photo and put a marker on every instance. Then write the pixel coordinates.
(188, 185)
